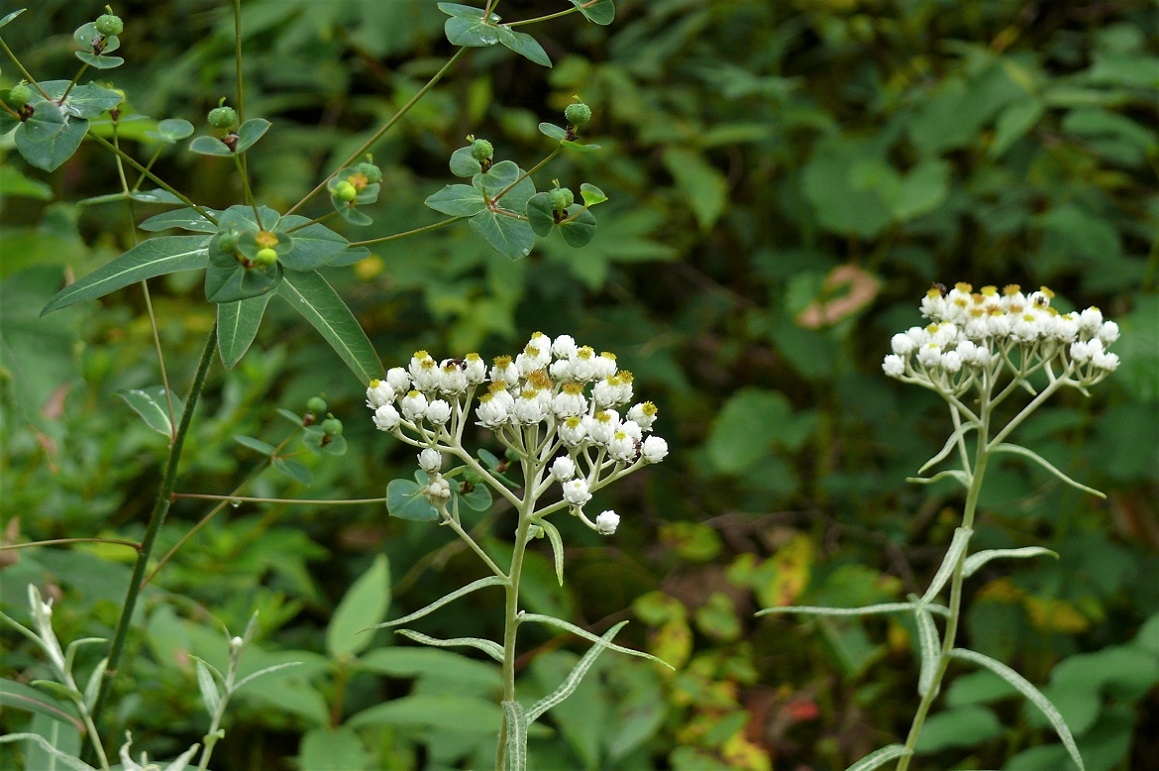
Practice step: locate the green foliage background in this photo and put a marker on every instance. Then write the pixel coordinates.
(750, 149)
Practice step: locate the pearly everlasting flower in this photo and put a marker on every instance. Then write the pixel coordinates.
(503, 370)
(560, 370)
(386, 418)
(951, 361)
(564, 347)
(474, 368)
(438, 412)
(607, 522)
(902, 344)
(605, 364)
(430, 460)
(602, 426)
(424, 371)
(414, 406)
(529, 406)
(379, 393)
(438, 490)
(622, 447)
(570, 401)
(563, 468)
(536, 354)
(583, 364)
(893, 365)
(654, 449)
(398, 380)
(643, 414)
(1108, 332)
(452, 377)
(575, 492)
(573, 431)
(495, 408)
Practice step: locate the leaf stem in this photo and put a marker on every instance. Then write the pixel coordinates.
(62, 541)
(160, 182)
(27, 75)
(290, 501)
(72, 84)
(382, 131)
(160, 509)
(415, 232)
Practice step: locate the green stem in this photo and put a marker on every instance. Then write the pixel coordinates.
(71, 85)
(511, 619)
(61, 541)
(414, 232)
(382, 131)
(27, 75)
(291, 501)
(160, 182)
(160, 509)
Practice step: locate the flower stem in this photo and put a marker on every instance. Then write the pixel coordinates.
(160, 509)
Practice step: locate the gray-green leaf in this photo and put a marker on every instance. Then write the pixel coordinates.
(152, 404)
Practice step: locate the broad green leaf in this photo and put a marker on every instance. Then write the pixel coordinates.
(507, 235)
(568, 686)
(207, 145)
(101, 62)
(86, 34)
(88, 101)
(49, 137)
(580, 226)
(332, 749)
(186, 219)
(363, 606)
(24, 697)
(315, 245)
(8, 18)
(747, 427)
(463, 164)
(975, 561)
(170, 130)
(405, 500)
(457, 201)
(310, 294)
(155, 257)
(451, 597)
(559, 622)
(600, 12)
(553, 131)
(293, 469)
(591, 194)
(1032, 694)
(265, 448)
(703, 185)
(243, 216)
(478, 498)
(250, 132)
(879, 758)
(471, 32)
(497, 178)
(1015, 120)
(921, 190)
(237, 326)
(234, 282)
(463, 11)
(492, 649)
(152, 404)
(540, 216)
(524, 45)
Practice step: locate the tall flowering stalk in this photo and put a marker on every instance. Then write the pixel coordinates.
(553, 407)
(980, 350)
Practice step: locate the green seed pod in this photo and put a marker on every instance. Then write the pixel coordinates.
(107, 24)
(266, 256)
(222, 117)
(577, 114)
(227, 242)
(561, 198)
(316, 405)
(332, 427)
(482, 150)
(344, 191)
(372, 173)
(19, 95)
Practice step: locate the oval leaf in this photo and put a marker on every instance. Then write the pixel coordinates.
(153, 406)
(363, 606)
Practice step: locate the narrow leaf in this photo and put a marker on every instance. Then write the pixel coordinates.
(208, 687)
(237, 326)
(310, 295)
(293, 469)
(958, 546)
(887, 607)
(573, 679)
(975, 561)
(948, 447)
(559, 622)
(262, 673)
(155, 257)
(1032, 694)
(556, 547)
(20, 696)
(957, 474)
(69, 760)
(879, 758)
(250, 132)
(265, 448)
(1020, 450)
(461, 592)
(931, 649)
(8, 18)
(516, 724)
(491, 648)
(364, 605)
(153, 406)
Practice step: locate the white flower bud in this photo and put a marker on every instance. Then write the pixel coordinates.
(902, 344)
(564, 347)
(563, 468)
(475, 369)
(1108, 332)
(622, 447)
(379, 393)
(386, 418)
(414, 406)
(438, 412)
(893, 365)
(607, 522)
(644, 414)
(438, 490)
(572, 431)
(398, 380)
(602, 426)
(654, 449)
(430, 460)
(575, 492)
(452, 378)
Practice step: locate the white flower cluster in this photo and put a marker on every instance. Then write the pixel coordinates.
(553, 396)
(973, 335)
